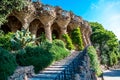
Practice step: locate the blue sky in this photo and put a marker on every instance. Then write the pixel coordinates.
(106, 12)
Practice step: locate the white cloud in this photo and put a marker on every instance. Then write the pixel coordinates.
(108, 14)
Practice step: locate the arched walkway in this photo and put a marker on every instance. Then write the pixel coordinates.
(40, 31)
(34, 26)
(14, 24)
(5, 28)
(55, 31)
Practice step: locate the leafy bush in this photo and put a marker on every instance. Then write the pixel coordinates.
(104, 59)
(42, 56)
(113, 58)
(77, 38)
(59, 43)
(7, 64)
(94, 60)
(68, 42)
(5, 41)
(36, 56)
(1, 32)
(59, 51)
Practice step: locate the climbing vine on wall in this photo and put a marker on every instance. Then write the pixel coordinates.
(77, 38)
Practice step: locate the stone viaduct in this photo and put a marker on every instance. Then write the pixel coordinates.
(38, 18)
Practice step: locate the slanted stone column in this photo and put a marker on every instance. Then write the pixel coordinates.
(86, 32)
(48, 32)
(63, 19)
(47, 17)
(87, 37)
(34, 27)
(83, 30)
(89, 34)
(84, 39)
(25, 25)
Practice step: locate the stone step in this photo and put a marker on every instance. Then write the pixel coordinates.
(60, 70)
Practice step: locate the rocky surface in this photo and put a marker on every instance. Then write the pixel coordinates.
(22, 73)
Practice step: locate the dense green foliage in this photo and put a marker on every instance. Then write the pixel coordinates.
(36, 56)
(27, 52)
(7, 64)
(113, 58)
(5, 41)
(106, 42)
(94, 63)
(68, 42)
(7, 6)
(77, 38)
(59, 51)
(43, 55)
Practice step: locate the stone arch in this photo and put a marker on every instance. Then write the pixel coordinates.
(34, 26)
(55, 31)
(40, 31)
(5, 28)
(14, 24)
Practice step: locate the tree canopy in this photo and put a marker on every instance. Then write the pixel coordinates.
(7, 6)
(104, 40)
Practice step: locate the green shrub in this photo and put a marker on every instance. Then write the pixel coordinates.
(104, 59)
(68, 42)
(1, 32)
(58, 50)
(5, 41)
(94, 60)
(113, 58)
(36, 56)
(41, 56)
(77, 38)
(7, 64)
(59, 43)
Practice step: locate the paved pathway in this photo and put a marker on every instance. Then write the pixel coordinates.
(111, 74)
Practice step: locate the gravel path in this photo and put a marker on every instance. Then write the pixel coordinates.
(111, 74)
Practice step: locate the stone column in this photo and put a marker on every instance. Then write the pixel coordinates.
(89, 42)
(63, 30)
(48, 33)
(84, 39)
(33, 30)
(25, 25)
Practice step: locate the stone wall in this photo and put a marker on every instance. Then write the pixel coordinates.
(38, 17)
(84, 71)
(22, 73)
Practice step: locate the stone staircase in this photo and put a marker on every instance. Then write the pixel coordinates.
(77, 63)
(74, 67)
